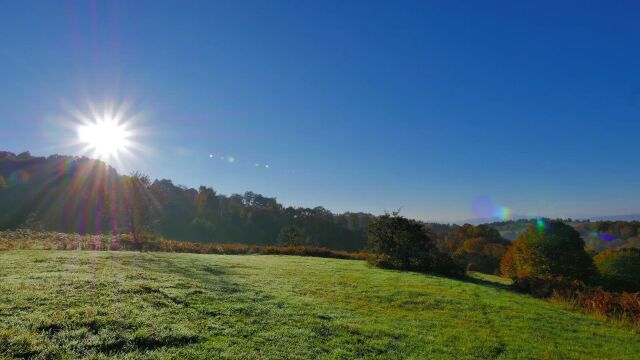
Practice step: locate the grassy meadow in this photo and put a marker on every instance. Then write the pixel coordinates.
(101, 304)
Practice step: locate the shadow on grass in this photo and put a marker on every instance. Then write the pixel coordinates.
(470, 278)
(492, 284)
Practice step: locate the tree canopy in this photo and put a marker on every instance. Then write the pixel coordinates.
(406, 244)
(548, 248)
(77, 194)
(619, 269)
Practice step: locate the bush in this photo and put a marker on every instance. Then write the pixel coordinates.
(622, 306)
(544, 287)
(401, 243)
(619, 270)
(34, 240)
(548, 249)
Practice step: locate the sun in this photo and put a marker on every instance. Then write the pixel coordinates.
(106, 137)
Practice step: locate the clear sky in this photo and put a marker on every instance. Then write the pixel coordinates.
(437, 107)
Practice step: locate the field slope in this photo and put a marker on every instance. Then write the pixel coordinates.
(71, 304)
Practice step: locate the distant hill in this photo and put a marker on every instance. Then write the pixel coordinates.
(480, 221)
(632, 217)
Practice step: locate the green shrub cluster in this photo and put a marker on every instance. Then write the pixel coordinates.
(619, 269)
(405, 244)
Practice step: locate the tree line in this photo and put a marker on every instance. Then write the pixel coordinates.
(86, 196)
(598, 235)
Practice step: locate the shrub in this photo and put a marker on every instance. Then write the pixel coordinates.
(401, 243)
(622, 306)
(619, 269)
(544, 287)
(34, 240)
(548, 249)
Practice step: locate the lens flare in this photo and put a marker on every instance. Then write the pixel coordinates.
(18, 177)
(505, 213)
(603, 236)
(484, 207)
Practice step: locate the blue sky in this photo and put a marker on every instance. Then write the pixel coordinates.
(364, 106)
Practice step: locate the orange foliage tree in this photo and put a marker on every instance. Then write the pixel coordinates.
(546, 249)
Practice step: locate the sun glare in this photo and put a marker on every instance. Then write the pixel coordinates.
(106, 137)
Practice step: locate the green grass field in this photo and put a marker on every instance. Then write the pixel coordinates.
(71, 304)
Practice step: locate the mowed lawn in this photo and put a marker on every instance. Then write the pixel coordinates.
(72, 304)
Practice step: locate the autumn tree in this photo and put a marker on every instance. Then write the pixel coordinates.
(478, 248)
(549, 248)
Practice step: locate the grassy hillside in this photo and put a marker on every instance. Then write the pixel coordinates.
(151, 305)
